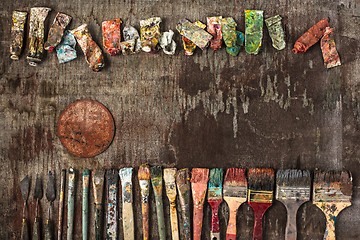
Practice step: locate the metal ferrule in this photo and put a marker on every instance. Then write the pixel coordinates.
(292, 193)
(260, 196)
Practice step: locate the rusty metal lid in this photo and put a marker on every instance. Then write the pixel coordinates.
(86, 128)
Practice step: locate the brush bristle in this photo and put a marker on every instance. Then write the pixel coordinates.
(235, 177)
(216, 177)
(199, 175)
(293, 178)
(169, 175)
(183, 176)
(261, 179)
(125, 174)
(156, 172)
(144, 172)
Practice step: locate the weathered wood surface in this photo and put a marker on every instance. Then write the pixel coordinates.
(275, 109)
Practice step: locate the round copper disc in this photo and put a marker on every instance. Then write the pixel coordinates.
(86, 128)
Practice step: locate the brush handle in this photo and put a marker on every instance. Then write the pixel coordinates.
(85, 203)
(98, 218)
(36, 230)
(233, 204)
(160, 217)
(71, 203)
(259, 210)
(292, 207)
(197, 221)
(215, 229)
(145, 219)
(174, 222)
(111, 224)
(331, 211)
(128, 221)
(61, 204)
(48, 228)
(25, 230)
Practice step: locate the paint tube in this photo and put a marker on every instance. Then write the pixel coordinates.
(36, 34)
(66, 49)
(214, 28)
(132, 43)
(194, 33)
(233, 39)
(56, 31)
(330, 54)
(167, 43)
(189, 46)
(311, 37)
(253, 30)
(111, 36)
(92, 51)
(276, 32)
(150, 34)
(17, 34)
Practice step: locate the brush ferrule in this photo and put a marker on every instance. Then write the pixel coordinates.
(214, 193)
(260, 196)
(293, 193)
(235, 191)
(330, 195)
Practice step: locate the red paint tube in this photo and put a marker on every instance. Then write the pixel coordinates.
(214, 28)
(56, 31)
(330, 54)
(311, 37)
(112, 36)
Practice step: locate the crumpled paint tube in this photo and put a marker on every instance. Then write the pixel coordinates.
(56, 31)
(167, 43)
(111, 36)
(330, 54)
(66, 49)
(253, 30)
(233, 39)
(189, 46)
(276, 32)
(194, 33)
(214, 28)
(132, 43)
(150, 34)
(36, 34)
(17, 33)
(311, 37)
(92, 51)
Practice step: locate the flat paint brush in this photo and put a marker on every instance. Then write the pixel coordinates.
(85, 202)
(199, 180)
(144, 182)
(183, 186)
(260, 195)
(38, 194)
(235, 188)
(25, 187)
(61, 203)
(156, 182)
(332, 193)
(292, 189)
(170, 186)
(112, 179)
(98, 187)
(214, 197)
(127, 203)
(50, 196)
(71, 204)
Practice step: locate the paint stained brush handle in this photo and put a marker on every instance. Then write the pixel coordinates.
(291, 208)
(215, 229)
(174, 222)
(98, 216)
(197, 221)
(48, 230)
(145, 219)
(71, 203)
(24, 230)
(36, 231)
(61, 204)
(85, 202)
(231, 228)
(160, 217)
(259, 210)
(128, 221)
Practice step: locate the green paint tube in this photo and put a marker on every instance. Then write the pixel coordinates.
(253, 30)
(233, 39)
(276, 32)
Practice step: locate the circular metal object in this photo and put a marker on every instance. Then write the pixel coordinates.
(86, 128)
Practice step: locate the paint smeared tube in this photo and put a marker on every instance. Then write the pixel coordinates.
(66, 49)
(276, 32)
(330, 54)
(214, 28)
(36, 34)
(189, 46)
(233, 39)
(253, 30)
(150, 34)
(132, 43)
(92, 51)
(17, 34)
(167, 43)
(194, 33)
(111, 36)
(56, 31)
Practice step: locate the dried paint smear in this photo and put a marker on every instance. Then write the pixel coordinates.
(17, 34)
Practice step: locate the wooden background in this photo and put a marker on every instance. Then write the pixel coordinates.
(275, 109)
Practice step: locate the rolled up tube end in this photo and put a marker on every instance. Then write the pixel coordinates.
(14, 57)
(33, 64)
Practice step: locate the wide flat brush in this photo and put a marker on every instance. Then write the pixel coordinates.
(156, 181)
(183, 186)
(144, 182)
(260, 195)
(332, 193)
(214, 198)
(292, 189)
(170, 186)
(127, 203)
(98, 187)
(235, 187)
(112, 179)
(199, 180)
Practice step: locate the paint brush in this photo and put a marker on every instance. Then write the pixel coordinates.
(183, 186)
(144, 182)
(292, 189)
(112, 179)
(127, 200)
(71, 203)
(214, 197)
(85, 202)
(61, 203)
(25, 187)
(199, 180)
(332, 193)
(156, 182)
(98, 187)
(170, 186)
(260, 195)
(38, 194)
(235, 187)
(50, 196)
